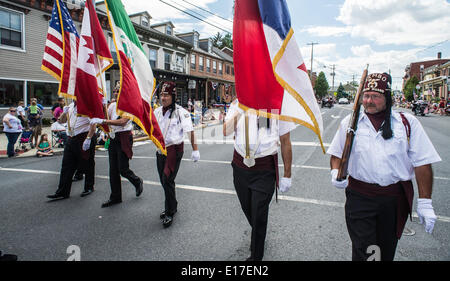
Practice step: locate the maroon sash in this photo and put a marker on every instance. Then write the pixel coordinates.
(171, 159)
(403, 190)
(126, 143)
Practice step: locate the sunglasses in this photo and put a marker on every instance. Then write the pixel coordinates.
(12, 111)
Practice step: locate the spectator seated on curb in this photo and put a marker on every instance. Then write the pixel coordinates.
(59, 134)
(44, 148)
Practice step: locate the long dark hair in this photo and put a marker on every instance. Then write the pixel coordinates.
(386, 128)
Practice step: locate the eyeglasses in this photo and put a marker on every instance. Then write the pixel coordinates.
(12, 111)
(374, 97)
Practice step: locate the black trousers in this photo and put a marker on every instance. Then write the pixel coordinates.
(72, 161)
(371, 221)
(255, 191)
(168, 183)
(119, 165)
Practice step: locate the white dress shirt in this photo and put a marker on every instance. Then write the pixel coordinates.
(76, 124)
(113, 116)
(384, 162)
(263, 141)
(173, 129)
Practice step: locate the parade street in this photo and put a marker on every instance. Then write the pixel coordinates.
(307, 223)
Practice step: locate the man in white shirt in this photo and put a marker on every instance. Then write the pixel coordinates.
(174, 122)
(256, 178)
(120, 152)
(388, 149)
(79, 152)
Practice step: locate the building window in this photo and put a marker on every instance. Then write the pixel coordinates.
(11, 92)
(45, 93)
(220, 68)
(11, 29)
(169, 30)
(180, 63)
(214, 66)
(193, 58)
(112, 48)
(227, 69)
(232, 71)
(208, 65)
(195, 41)
(152, 55)
(200, 63)
(144, 22)
(167, 60)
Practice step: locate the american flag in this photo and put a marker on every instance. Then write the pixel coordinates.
(61, 49)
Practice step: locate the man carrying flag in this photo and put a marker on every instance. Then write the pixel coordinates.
(94, 58)
(136, 79)
(60, 60)
(274, 94)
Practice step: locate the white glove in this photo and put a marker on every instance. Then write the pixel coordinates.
(96, 121)
(65, 109)
(285, 184)
(338, 184)
(86, 144)
(426, 213)
(195, 155)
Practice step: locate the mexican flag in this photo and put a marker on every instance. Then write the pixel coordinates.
(136, 76)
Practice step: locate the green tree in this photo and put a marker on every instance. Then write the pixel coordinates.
(410, 88)
(227, 41)
(321, 87)
(220, 41)
(217, 40)
(341, 92)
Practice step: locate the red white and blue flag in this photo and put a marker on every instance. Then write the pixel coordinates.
(61, 50)
(94, 58)
(270, 73)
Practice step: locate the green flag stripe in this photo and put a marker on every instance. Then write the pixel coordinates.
(123, 22)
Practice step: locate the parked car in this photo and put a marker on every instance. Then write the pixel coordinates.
(343, 101)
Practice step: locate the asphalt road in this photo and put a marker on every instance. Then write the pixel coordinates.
(307, 223)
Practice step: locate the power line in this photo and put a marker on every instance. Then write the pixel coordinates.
(195, 16)
(190, 10)
(198, 7)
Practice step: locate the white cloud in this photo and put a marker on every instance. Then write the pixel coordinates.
(161, 12)
(327, 31)
(420, 23)
(382, 61)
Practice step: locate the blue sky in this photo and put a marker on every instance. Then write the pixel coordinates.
(386, 34)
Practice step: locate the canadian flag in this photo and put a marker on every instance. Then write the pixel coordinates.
(94, 58)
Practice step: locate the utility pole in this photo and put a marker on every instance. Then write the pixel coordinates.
(333, 67)
(312, 57)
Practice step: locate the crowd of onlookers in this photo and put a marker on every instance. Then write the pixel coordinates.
(24, 123)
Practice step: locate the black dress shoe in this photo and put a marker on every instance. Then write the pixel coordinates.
(167, 221)
(164, 213)
(110, 203)
(140, 188)
(7, 257)
(250, 259)
(57, 196)
(86, 192)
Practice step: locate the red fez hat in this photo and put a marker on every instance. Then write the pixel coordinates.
(168, 88)
(378, 82)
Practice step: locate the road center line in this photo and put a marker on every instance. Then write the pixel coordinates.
(214, 190)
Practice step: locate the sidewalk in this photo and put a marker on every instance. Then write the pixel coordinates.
(31, 152)
(59, 151)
